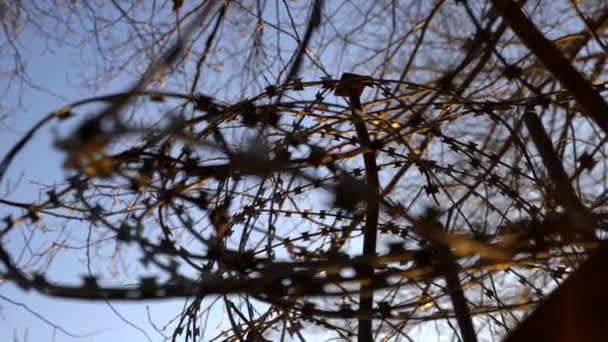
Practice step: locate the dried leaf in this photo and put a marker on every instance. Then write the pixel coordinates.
(177, 4)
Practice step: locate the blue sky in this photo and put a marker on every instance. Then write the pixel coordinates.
(31, 316)
(40, 162)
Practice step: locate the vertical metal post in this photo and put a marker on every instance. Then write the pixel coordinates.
(366, 297)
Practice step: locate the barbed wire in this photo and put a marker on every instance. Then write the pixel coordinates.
(462, 196)
(296, 149)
